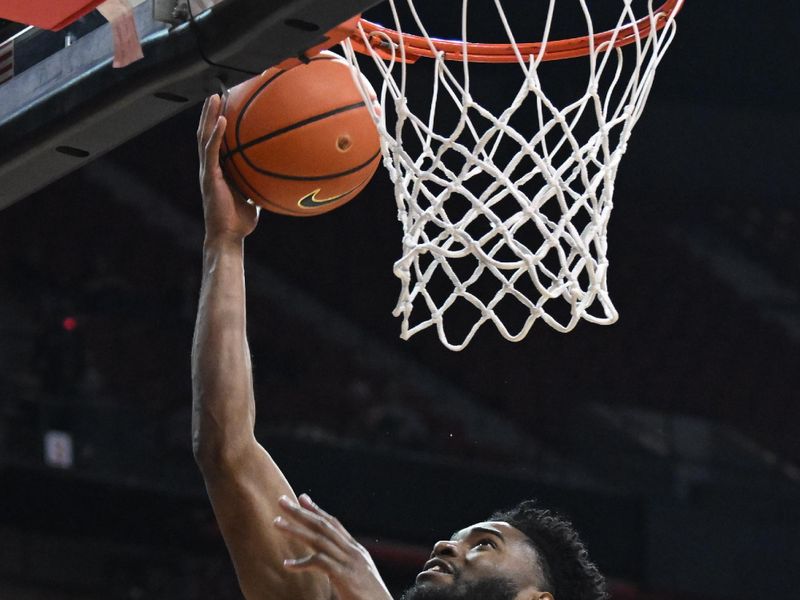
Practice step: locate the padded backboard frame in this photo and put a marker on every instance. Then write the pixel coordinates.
(73, 107)
(47, 14)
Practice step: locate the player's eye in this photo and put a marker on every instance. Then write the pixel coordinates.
(486, 542)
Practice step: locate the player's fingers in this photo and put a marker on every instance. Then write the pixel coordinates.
(322, 524)
(208, 120)
(307, 503)
(319, 561)
(318, 541)
(202, 126)
(202, 119)
(215, 141)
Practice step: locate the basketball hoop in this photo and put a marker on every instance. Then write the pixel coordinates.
(509, 206)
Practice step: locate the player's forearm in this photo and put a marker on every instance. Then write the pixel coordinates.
(223, 413)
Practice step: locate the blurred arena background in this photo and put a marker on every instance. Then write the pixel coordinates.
(670, 438)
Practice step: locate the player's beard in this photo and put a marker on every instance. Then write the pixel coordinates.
(493, 588)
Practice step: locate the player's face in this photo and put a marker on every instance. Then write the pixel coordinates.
(487, 561)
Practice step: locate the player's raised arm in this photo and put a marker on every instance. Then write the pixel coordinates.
(242, 480)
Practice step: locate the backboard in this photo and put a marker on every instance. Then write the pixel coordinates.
(66, 105)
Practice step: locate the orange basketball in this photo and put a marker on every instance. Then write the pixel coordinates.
(300, 142)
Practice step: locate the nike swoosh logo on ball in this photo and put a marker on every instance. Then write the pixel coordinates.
(311, 200)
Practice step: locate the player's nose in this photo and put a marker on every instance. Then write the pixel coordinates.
(445, 548)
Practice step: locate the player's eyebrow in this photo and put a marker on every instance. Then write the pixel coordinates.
(481, 529)
(489, 530)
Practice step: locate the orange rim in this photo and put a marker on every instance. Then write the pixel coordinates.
(417, 47)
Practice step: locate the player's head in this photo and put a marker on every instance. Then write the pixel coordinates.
(525, 553)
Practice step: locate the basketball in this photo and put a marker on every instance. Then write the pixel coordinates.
(300, 142)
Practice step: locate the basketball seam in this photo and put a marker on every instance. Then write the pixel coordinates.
(255, 95)
(320, 117)
(355, 169)
(256, 193)
(285, 209)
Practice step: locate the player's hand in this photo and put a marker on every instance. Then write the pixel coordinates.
(334, 551)
(227, 214)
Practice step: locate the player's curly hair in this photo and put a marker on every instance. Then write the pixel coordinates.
(568, 573)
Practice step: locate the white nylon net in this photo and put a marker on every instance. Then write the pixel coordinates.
(505, 209)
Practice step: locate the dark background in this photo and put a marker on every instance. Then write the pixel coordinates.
(670, 438)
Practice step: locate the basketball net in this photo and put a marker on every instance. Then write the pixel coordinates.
(511, 233)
